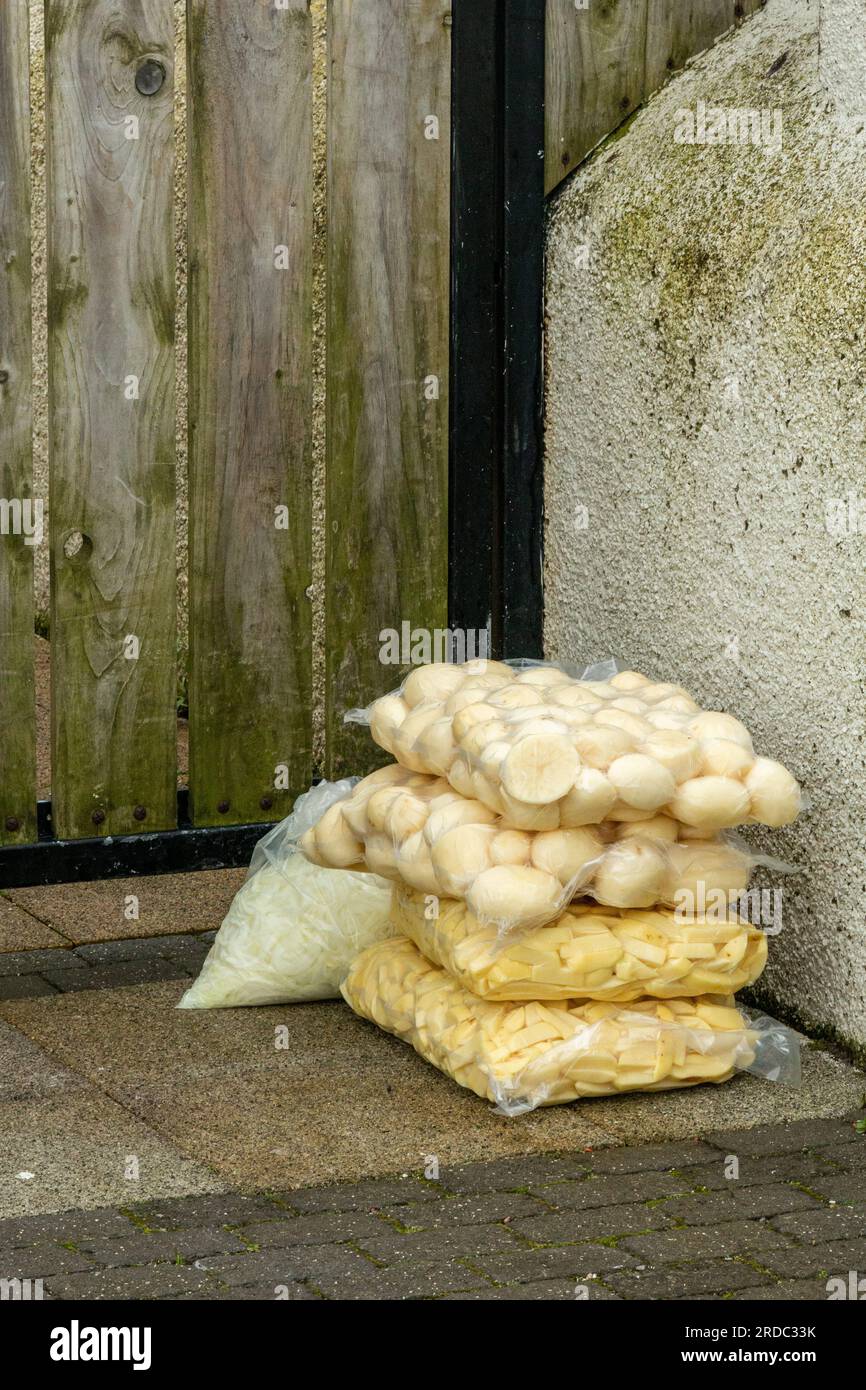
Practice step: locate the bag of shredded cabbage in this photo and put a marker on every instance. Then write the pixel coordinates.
(293, 929)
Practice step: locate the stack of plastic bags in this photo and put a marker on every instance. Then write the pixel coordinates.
(553, 845)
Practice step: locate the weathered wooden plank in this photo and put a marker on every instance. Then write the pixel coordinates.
(388, 312)
(18, 510)
(604, 57)
(250, 412)
(675, 32)
(111, 414)
(594, 76)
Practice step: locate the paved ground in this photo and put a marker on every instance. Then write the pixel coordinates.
(150, 1152)
(652, 1222)
(102, 964)
(70, 914)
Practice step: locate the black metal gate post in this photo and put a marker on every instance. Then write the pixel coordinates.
(497, 266)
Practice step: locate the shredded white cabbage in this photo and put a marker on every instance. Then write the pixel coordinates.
(290, 935)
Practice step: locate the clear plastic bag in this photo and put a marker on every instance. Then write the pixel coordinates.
(586, 954)
(544, 750)
(521, 1056)
(293, 928)
(414, 829)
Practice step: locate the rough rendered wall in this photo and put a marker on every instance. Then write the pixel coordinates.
(706, 468)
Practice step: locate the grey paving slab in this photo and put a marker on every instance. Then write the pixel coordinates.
(75, 1149)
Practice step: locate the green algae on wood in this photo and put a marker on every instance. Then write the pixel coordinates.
(17, 700)
(250, 408)
(111, 418)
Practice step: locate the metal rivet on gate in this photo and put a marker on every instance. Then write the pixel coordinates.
(222, 807)
(266, 803)
(13, 823)
(140, 812)
(149, 78)
(98, 817)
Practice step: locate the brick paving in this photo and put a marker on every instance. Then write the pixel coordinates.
(102, 965)
(658, 1222)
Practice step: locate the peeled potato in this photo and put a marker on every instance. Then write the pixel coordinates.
(667, 719)
(721, 757)
(492, 755)
(542, 675)
(511, 847)
(460, 777)
(661, 690)
(661, 830)
(486, 791)
(379, 804)
(389, 776)
(598, 745)
(407, 735)
(713, 724)
(436, 681)
(405, 815)
(572, 718)
(524, 816)
(381, 856)
(574, 697)
(641, 781)
(466, 695)
(515, 696)
(620, 812)
(460, 856)
(700, 868)
(589, 800)
(566, 853)
(630, 724)
(459, 812)
(416, 865)
(540, 768)
(482, 666)
(710, 802)
(630, 704)
(475, 741)
(465, 719)
(679, 704)
(514, 895)
(386, 716)
(629, 680)
(436, 746)
(631, 874)
(774, 794)
(307, 846)
(679, 753)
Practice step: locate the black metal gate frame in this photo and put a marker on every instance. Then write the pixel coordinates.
(495, 431)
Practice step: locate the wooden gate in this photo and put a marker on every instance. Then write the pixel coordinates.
(391, 280)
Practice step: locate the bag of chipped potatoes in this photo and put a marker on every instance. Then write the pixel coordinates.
(588, 953)
(523, 1055)
(545, 750)
(414, 829)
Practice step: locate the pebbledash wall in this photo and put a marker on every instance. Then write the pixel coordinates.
(706, 439)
